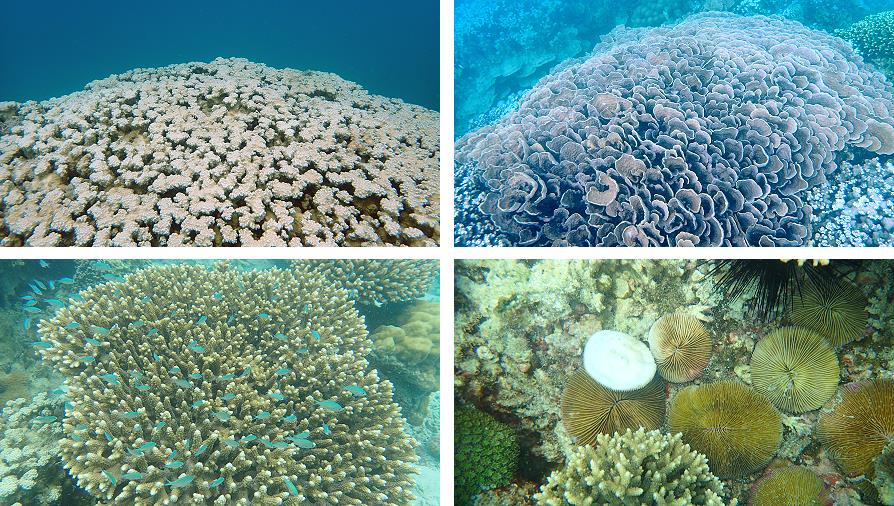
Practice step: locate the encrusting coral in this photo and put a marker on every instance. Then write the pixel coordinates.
(376, 281)
(590, 409)
(792, 486)
(706, 133)
(222, 153)
(795, 368)
(835, 309)
(30, 432)
(486, 454)
(633, 468)
(856, 431)
(226, 387)
(681, 346)
(738, 429)
(884, 475)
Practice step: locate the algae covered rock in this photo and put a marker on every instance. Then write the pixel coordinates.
(634, 468)
(485, 454)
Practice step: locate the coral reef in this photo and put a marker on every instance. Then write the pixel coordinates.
(633, 468)
(682, 136)
(225, 386)
(873, 35)
(590, 409)
(13, 385)
(222, 153)
(795, 368)
(485, 454)
(793, 486)
(618, 361)
(376, 281)
(736, 428)
(857, 430)
(681, 346)
(30, 432)
(835, 309)
(408, 354)
(884, 475)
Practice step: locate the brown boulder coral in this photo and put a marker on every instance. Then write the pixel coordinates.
(224, 153)
(225, 387)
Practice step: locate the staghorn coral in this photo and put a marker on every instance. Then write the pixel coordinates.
(835, 309)
(590, 409)
(485, 454)
(795, 368)
(408, 354)
(634, 468)
(681, 346)
(257, 379)
(792, 486)
(737, 428)
(222, 153)
(857, 430)
(29, 451)
(884, 475)
(705, 133)
(376, 281)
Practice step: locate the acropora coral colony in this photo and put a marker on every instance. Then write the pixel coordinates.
(610, 439)
(214, 385)
(224, 153)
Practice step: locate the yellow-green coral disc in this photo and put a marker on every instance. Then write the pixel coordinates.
(791, 486)
(835, 310)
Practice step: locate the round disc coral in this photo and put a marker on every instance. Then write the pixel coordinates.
(792, 486)
(241, 387)
(376, 281)
(795, 368)
(834, 309)
(737, 428)
(857, 430)
(618, 361)
(486, 454)
(633, 468)
(590, 409)
(681, 346)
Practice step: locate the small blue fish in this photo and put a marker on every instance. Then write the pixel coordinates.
(303, 435)
(306, 308)
(326, 429)
(262, 415)
(216, 482)
(228, 396)
(129, 414)
(200, 450)
(42, 344)
(148, 446)
(27, 323)
(132, 476)
(245, 372)
(279, 445)
(172, 455)
(223, 416)
(31, 309)
(54, 302)
(137, 323)
(73, 325)
(202, 319)
(196, 375)
(57, 391)
(103, 266)
(145, 298)
(302, 443)
(282, 371)
(302, 350)
(330, 406)
(173, 312)
(136, 452)
(177, 464)
(99, 330)
(111, 378)
(77, 438)
(355, 390)
(43, 263)
(181, 481)
(174, 370)
(182, 383)
(231, 318)
(232, 443)
(290, 418)
(275, 298)
(277, 396)
(31, 302)
(249, 438)
(142, 388)
(87, 359)
(198, 404)
(152, 332)
(136, 374)
(35, 289)
(293, 490)
(66, 281)
(159, 426)
(108, 437)
(156, 356)
(52, 284)
(226, 377)
(41, 285)
(316, 335)
(110, 477)
(113, 277)
(281, 336)
(264, 316)
(45, 419)
(194, 346)
(217, 296)
(266, 442)
(94, 342)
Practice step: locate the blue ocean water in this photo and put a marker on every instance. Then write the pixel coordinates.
(52, 48)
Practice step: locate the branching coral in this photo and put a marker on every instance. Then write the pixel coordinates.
(795, 368)
(857, 430)
(228, 387)
(222, 153)
(376, 281)
(873, 35)
(590, 409)
(681, 346)
(706, 133)
(793, 486)
(737, 428)
(634, 468)
(485, 454)
(833, 308)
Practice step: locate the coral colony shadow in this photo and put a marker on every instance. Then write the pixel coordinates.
(742, 382)
(180, 147)
(238, 382)
(759, 123)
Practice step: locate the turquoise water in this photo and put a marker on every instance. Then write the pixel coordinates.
(53, 48)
